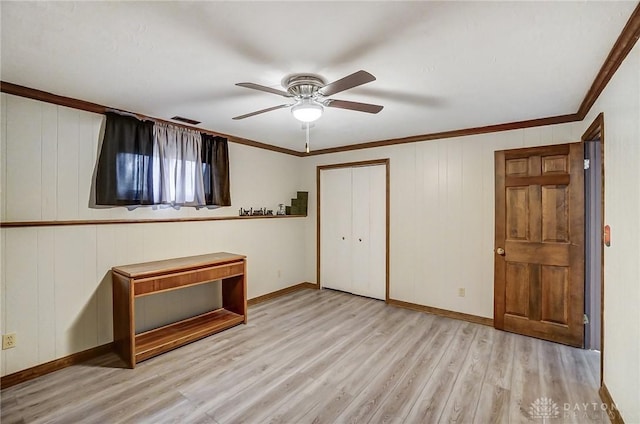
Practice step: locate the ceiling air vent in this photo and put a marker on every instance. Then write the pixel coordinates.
(186, 120)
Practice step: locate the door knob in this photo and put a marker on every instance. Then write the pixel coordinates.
(359, 239)
(342, 238)
(500, 251)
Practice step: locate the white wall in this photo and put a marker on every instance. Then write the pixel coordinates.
(442, 214)
(620, 103)
(55, 286)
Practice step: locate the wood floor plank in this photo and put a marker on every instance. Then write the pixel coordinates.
(352, 374)
(525, 383)
(320, 356)
(371, 397)
(402, 397)
(463, 399)
(433, 398)
(495, 392)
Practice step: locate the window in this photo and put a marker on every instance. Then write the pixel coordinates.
(146, 163)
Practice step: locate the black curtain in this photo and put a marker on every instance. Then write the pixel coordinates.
(215, 164)
(124, 175)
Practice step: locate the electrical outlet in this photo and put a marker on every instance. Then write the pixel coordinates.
(8, 341)
(461, 292)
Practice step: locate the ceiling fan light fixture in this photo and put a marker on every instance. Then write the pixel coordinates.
(307, 111)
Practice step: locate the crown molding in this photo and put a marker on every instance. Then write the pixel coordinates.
(621, 48)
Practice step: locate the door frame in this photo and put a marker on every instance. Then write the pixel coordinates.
(373, 162)
(596, 131)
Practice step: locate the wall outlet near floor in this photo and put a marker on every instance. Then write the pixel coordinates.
(8, 341)
(462, 292)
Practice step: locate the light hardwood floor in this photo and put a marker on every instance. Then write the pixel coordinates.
(325, 357)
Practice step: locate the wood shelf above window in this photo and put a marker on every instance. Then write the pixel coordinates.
(13, 224)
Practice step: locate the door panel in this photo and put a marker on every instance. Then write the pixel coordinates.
(517, 213)
(360, 240)
(378, 232)
(539, 278)
(369, 235)
(335, 232)
(517, 289)
(555, 214)
(555, 290)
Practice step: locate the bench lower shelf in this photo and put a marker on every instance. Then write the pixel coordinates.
(158, 340)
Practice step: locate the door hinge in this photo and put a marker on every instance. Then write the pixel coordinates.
(587, 164)
(585, 319)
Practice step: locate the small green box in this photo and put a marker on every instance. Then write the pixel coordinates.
(303, 201)
(296, 209)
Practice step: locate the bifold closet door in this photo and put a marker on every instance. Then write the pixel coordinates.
(353, 230)
(368, 231)
(335, 229)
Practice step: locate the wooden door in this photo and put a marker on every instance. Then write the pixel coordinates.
(539, 242)
(368, 231)
(335, 232)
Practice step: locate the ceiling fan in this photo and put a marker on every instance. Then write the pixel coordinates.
(309, 93)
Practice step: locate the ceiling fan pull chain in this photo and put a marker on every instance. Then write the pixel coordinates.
(307, 145)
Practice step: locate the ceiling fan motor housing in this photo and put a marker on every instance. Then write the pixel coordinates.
(304, 86)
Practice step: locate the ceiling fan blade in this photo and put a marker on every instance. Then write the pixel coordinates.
(360, 107)
(258, 112)
(350, 81)
(264, 88)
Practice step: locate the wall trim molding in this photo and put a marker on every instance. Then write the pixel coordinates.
(14, 224)
(55, 365)
(43, 96)
(552, 120)
(612, 409)
(621, 48)
(595, 130)
(282, 292)
(442, 312)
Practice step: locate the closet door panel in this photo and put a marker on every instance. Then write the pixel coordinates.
(335, 229)
(377, 287)
(369, 235)
(361, 241)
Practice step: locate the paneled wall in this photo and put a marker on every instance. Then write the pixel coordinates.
(620, 102)
(55, 286)
(442, 214)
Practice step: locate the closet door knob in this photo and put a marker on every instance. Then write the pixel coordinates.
(359, 239)
(342, 238)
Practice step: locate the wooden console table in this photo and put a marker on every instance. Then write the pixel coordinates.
(131, 281)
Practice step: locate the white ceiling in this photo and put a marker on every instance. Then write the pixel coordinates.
(439, 65)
